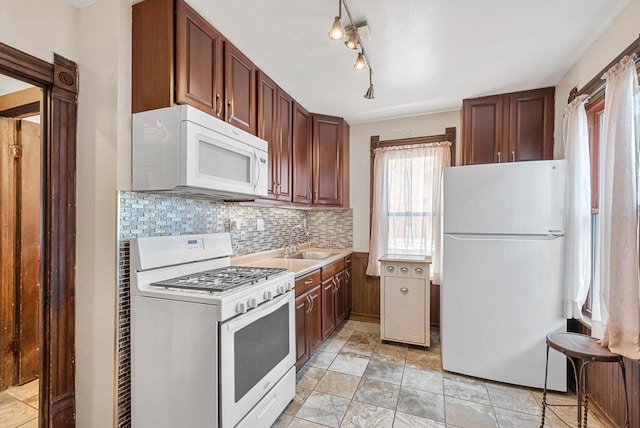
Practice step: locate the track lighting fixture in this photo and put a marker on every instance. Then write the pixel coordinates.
(337, 30)
(360, 62)
(369, 94)
(353, 42)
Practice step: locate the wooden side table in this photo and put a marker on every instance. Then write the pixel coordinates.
(586, 349)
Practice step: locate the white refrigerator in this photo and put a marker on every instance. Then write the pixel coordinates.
(501, 290)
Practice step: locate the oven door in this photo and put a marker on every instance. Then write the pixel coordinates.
(256, 350)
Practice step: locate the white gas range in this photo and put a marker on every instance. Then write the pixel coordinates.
(212, 345)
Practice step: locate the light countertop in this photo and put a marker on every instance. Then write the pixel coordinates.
(411, 258)
(275, 259)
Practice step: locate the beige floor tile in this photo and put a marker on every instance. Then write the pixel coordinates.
(369, 327)
(349, 365)
(308, 377)
(332, 345)
(420, 359)
(425, 380)
(322, 360)
(364, 338)
(421, 403)
(511, 419)
(378, 393)
(469, 414)
(298, 400)
(301, 423)
(358, 350)
(512, 398)
(340, 384)
(16, 415)
(469, 390)
(324, 409)
(7, 400)
(384, 371)
(362, 415)
(404, 420)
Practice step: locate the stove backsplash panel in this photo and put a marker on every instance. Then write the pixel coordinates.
(146, 214)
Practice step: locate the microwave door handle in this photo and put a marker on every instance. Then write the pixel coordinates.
(257, 158)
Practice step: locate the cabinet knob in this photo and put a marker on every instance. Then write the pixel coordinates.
(419, 270)
(404, 290)
(390, 268)
(404, 269)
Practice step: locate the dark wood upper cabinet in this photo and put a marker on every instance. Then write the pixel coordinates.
(267, 106)
(327, 160)
(302, 155)
(275, 114)
(199, 62)
(239, 89)
(509, 127)
(531, 125)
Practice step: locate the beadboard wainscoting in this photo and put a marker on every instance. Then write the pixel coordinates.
(146, 214)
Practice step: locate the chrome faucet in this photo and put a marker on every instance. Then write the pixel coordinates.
(292, 249)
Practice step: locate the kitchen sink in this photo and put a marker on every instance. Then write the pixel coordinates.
(311, 255)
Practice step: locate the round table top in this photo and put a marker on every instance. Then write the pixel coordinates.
(581, 346)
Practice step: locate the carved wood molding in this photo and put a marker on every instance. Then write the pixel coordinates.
(59, 82)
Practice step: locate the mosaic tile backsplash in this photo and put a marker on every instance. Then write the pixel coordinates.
(144, 214)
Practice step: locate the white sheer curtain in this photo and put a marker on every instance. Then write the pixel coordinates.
(577, 267)
(618, 228)
(407, 203)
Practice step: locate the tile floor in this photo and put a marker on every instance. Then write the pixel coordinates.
(19, 406)
(355, 380)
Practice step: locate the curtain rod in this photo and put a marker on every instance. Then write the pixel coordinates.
(596, 85)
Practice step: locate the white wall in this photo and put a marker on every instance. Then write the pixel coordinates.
(104, 109)
(360, 159)
(98, 39)
(621, 33)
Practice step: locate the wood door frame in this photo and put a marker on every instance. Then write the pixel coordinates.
(59, 83)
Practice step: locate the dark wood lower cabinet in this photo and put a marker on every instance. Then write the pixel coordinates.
(328, 307)
(341, 298)
(308, 325)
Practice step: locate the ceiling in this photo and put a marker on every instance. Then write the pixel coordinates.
(427, 55)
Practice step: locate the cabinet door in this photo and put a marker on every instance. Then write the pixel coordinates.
(531, 125)
(301, 155)
(327, 160)
(328, 307)
(267, 125)
(239, 89)
(404, 316)
(482, 130)
(302, 352)
(198, 62)
(314, 320)
(284, 128)
(348, 290)
(341, 298)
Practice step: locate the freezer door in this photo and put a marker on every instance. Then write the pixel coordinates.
(500, 297)
(522, 198)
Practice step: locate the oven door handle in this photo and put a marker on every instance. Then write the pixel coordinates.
(262, 310)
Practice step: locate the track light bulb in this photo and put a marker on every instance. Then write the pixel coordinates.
(360, 62)
(337, 30)
(352, 40)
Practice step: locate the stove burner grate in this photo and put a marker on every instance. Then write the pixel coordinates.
(221, 279)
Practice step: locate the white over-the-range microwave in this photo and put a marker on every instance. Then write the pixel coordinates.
(181, 149)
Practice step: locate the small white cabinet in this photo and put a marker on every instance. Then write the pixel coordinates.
(404, 299)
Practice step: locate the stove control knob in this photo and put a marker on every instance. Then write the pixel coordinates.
(251, 302)
(268, 295)
(241, 308)
(281, 289)
(288, 286)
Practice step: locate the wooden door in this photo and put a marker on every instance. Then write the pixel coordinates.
(531, 125)
(239, 89)
(29, 254)
(341, 298)
(482, 130)
(302, 166)
(327, 160)
(328, 307)
(20, 220)
(198, 62)
(314, 320)
(267, 125)
(302, 352)
(8, 225)
(284, 137)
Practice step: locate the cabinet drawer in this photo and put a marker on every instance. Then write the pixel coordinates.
(405, 310)
(419, 271)
(307, 282)
(332, 269)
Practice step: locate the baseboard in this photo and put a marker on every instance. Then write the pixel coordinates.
(365, 318)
